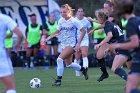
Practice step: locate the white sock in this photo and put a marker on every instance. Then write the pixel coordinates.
(11, 91)
(77, 61)
(85, 62)
(75, 66)
(60, 67)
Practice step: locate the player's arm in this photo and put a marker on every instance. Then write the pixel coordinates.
(107, 39)
(19, 35)
(133, 43)
(83, 31)
(92, 20)
(53, 35)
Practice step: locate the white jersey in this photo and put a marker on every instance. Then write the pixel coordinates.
(5, 63)
(68, 29)
(87, 25)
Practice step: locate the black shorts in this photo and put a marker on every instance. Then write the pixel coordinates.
(53, 42)
(34, 46)
(135, 68)
(97, 40)
(125, 53)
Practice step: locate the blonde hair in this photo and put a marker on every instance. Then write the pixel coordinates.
(101, 13)
(69, 8)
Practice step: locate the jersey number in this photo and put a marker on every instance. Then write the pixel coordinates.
(119, 30)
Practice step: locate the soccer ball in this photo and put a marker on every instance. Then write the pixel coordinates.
(35, 83)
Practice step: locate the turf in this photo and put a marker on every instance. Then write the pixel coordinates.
(70, 83)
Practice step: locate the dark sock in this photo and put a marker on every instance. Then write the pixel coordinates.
(82, 68)
(121, 73)
(28, 61)
(47, 60)
(54, 57)
(135, 91)
(35, 61)
(102, 65)
(59, 77)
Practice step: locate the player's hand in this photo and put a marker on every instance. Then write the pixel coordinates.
(91, 32)
(89, 19)
(78, 47)
(47, 39)
(96, 47)
(112, 47)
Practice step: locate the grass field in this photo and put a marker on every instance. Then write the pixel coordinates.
(70, 83)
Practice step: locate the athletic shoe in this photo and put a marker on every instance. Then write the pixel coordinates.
(85, 72)
(102, 77)
(57, 82)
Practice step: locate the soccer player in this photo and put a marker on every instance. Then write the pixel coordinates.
(67, 28)
(109, 8)
(125, 8)
(33, 36)
(113, 34)
(85, 42)
(51, 26)
(6, 69)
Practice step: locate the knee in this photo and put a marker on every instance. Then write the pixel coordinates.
(84, 54)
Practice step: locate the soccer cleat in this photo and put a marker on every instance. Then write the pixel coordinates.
(102, 77)
(85, 73)
(57, 82)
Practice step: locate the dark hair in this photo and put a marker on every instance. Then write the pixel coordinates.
(123, 7)
(109, 3)
(33, 14)
(80, 8)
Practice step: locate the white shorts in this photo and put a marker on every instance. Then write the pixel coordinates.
(72, 45)
(6, 68)
(85, 42)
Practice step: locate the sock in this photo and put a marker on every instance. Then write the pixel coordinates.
(54, 60)
(77, 61)
(28, 61)
(135, 91)
(11, 91)
(35, 61)
(60, 67)
(75, 66)
(59, 77)
(32, 61)
(85, 62)
(102, 65)
(121, 73)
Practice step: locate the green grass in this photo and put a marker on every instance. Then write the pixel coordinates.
(70, 83)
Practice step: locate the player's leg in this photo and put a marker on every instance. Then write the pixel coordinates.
(133, 78)
(66, 52)
(9, 84)
(35, 54)
(118, 62)
(77, 60)
(101, 62)
(84, 52)
(28, 56)
(47, 56)
(55, 48)
(128, 64)
(132, 83)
